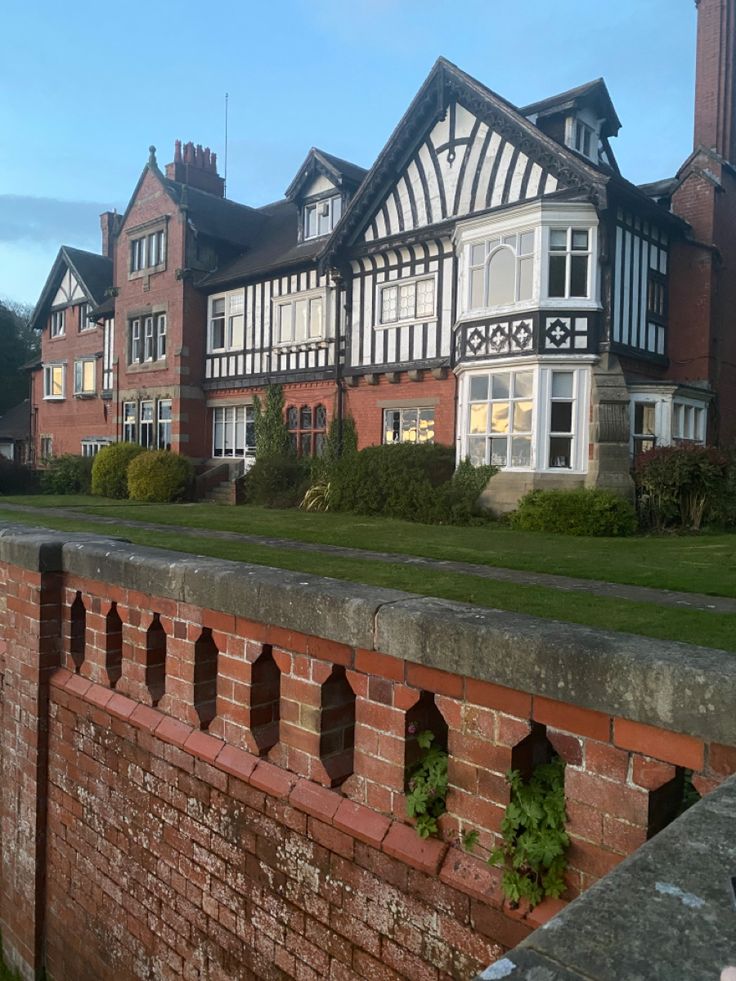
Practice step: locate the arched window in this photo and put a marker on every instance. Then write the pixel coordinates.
(307, 429)
(501, 277)
(500, 271)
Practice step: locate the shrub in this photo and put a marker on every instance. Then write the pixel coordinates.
(591, 512)
(67, 474)
(722, 510)
(15, 479)
(160, 477)
(394, 480)
(276, 481)
(678, 485)
(272, 436)
(110, 469)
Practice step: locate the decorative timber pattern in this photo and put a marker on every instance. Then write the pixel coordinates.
(639, 284)
(532, 333)
(262, 354)
(463, 166)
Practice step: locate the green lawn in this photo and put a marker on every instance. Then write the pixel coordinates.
(709, 559)
(693, 563)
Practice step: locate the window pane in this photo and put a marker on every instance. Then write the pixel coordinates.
(88, 376)
(499, 417)
(285, 322)
(425, 298)
(558, 239)
(501, 278)
(644, 419)
(562, 384)
(409, 425)
(557, 268)
(323, 218)
(579, 239)
(526, 278)
(292, 417)
(320, 417)
(236, 331)
(578, 275)
(523, 383)
(406, 301)
(391, 426)
(477, 281)
(501, 385)
(561, 417)
(301, 310)
(389, 302)
(499, 450)
(305, 444)
(305, 417)
(310, 221)
(479, 388)
(315, 317)
(521, 451)
(425, 429)
(559, 451)
(477, 254)
(218, 307)
(522, 417)
(477, 450)
(526, 243)
(479, 418)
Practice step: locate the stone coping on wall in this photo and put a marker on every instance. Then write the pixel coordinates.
(667, 912)
(675, 686)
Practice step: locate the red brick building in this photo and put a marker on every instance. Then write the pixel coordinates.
(493, 281)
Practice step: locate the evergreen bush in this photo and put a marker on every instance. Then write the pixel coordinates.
(67, 474)
(160, 477)
(277, 481)
(110, 469)
(272, 436)
(16, 479)
(590, 512)
(677, 486)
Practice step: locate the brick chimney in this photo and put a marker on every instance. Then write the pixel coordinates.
(196, 167)
(110, 225)
(715, 84)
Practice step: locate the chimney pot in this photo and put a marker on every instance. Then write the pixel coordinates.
(177, 151)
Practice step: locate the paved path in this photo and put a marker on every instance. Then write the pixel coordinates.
(593, 587)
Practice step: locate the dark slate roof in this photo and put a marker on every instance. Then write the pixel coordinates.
(595, 91)
(659, 189)
(275, 247)
(94, 271)
(350, 170)
(340, 171)
(214, 216)
(16, 423)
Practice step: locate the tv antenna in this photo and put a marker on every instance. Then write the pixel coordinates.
(224, 190)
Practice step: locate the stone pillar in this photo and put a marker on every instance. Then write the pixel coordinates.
(32, 651)
(609, 464)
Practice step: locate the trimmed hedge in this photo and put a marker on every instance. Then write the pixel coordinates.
(15, 479)
(68, 474)
(160, 477)
(276, 481)
(590, 512)
(413, 483)
(110, 469)
(679, 486)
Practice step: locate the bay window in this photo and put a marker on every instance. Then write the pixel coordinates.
(569, 262)
(300, 318)
(226, 322)
(530, 418)
(233, 431)
(688, 422)
(664, 415)
(408, 425)
(407, 301)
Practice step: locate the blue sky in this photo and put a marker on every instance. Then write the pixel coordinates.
(85, 87)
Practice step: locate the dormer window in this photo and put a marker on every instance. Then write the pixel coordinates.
(584, 138)
(320, 217)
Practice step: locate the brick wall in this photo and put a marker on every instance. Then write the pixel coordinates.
(366, 403)
(224, 794)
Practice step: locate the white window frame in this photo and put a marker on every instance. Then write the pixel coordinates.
(541, 411)
(291, 299)
(160, 338)
(569, 252)
(499, 243)
(79, 372)
(698, 412)
(57, 324)
(147, 251)
(91, 447)
(409, 410)
(85, 323)
(398, 284)
(49, 370)
(227, 419)
(46, 443)
(130, 424)
(149, 424)
(666, 403)
(233, 335)
(136, 340)
(149, 339)
(108, 354)
(164, 425)
(330, 201)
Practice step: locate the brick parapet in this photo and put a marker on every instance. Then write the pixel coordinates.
(280, 696)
